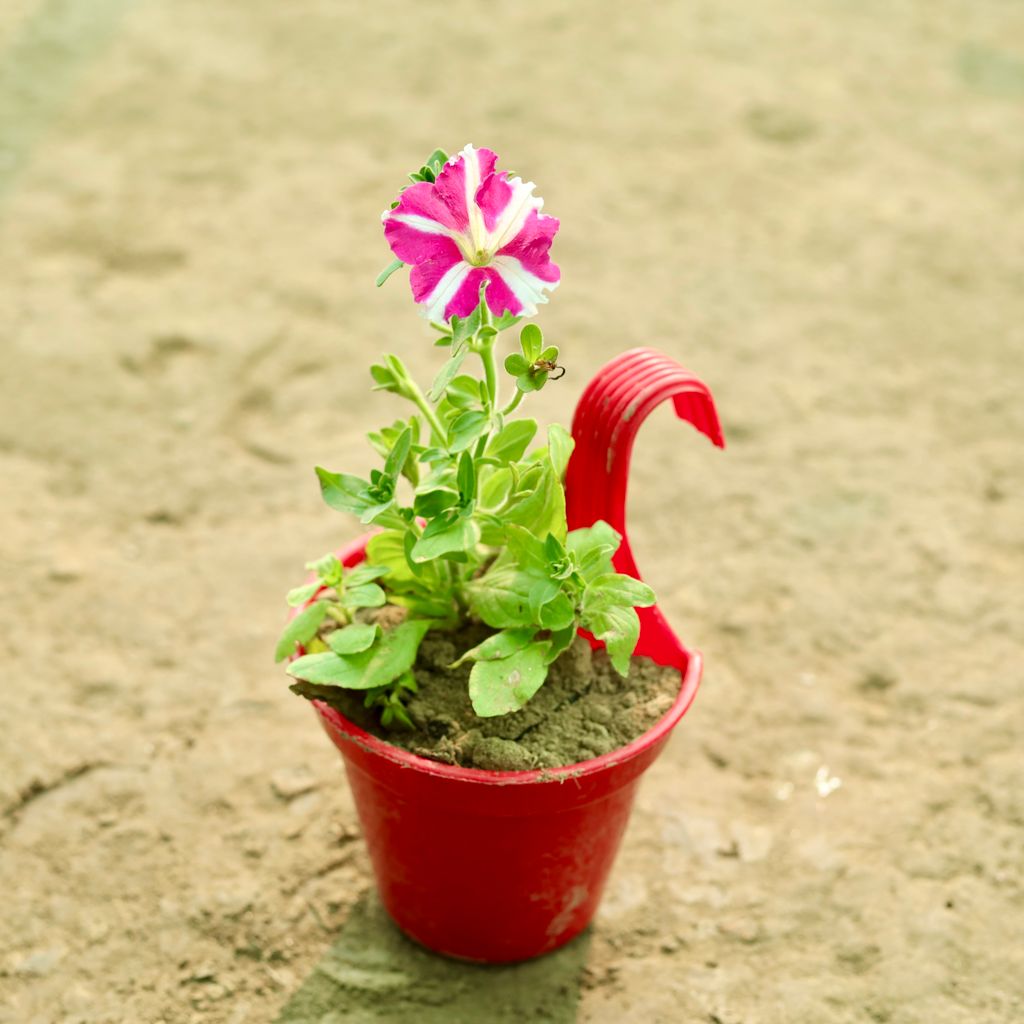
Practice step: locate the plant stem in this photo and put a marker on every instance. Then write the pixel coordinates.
(429, 415)
(517, 398)
(490, 373)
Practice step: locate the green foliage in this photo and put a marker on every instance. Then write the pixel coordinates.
(388, 271)
(471, 525)
(391, 701)
(506, 684)
(533, 368)
(509, 444)
(339, 593)
(300, 630)
(390, 655)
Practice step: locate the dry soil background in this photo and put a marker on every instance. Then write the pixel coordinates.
(817, 206)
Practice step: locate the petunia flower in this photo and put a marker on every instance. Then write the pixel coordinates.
(473, 224)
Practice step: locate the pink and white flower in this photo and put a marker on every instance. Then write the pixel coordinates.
(474, 224)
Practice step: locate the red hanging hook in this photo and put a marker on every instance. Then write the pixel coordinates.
(609, 414)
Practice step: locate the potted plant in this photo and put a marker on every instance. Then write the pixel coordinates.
(487, 659)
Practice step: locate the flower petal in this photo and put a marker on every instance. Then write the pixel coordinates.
(493, 197)
(531, 246)
(467, 298)
(527, 287)
(426, 274)
(501, 298)
(521, 204)
(478, 164)
(414, 239)
(451, 183)
(423, 201)
(434, 305)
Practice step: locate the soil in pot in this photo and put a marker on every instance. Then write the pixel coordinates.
(585, 709)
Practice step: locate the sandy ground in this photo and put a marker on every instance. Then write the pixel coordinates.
(815, 206)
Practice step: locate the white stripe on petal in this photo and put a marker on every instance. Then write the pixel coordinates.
(471, 177)
(513, 217)
(527, 288)
(433, 306)
(424, 224)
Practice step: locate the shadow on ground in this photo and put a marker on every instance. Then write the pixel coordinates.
(374, 974)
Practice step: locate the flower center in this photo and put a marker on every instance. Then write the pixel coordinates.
(479, 259)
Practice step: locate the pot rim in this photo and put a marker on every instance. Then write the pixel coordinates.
(690, 680)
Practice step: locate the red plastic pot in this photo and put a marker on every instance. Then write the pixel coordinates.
(503, 866)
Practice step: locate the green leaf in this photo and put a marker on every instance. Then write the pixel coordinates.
(464, 392)
(553, 549)
(328, 568)
(501, 597)
(527, 548)
(532, 341)
(516, 365)
(368, 595)
(384, 440)
(382, 513)
(343, 492)
(330, 669)
(619, 627)
(300, 595)
(599, 537)
(387, 549)
(558, 613)
(534, 380)
(463, 328)
(300, 630)
(431, 504)
(395, 461)
(498, 645)
(391, 375)
(388, 271)
(541, 592)
(465, 429)
(442, 537)
(432, 455)
(560, 641)
(437, 160)
(386, 516)
(392, 655)
(541, 509)
(616, 588)
(498, 687)
(408, 543)
(495, 489)
(467, 478)
(384, 379)
(438, 605)
(506, 319)
(492, 529)
(353, 639)
(511, 442)
(447, 373)
(364, 573)
(560, 445)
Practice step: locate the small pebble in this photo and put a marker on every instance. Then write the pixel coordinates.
(288, 783)
(40, 963)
